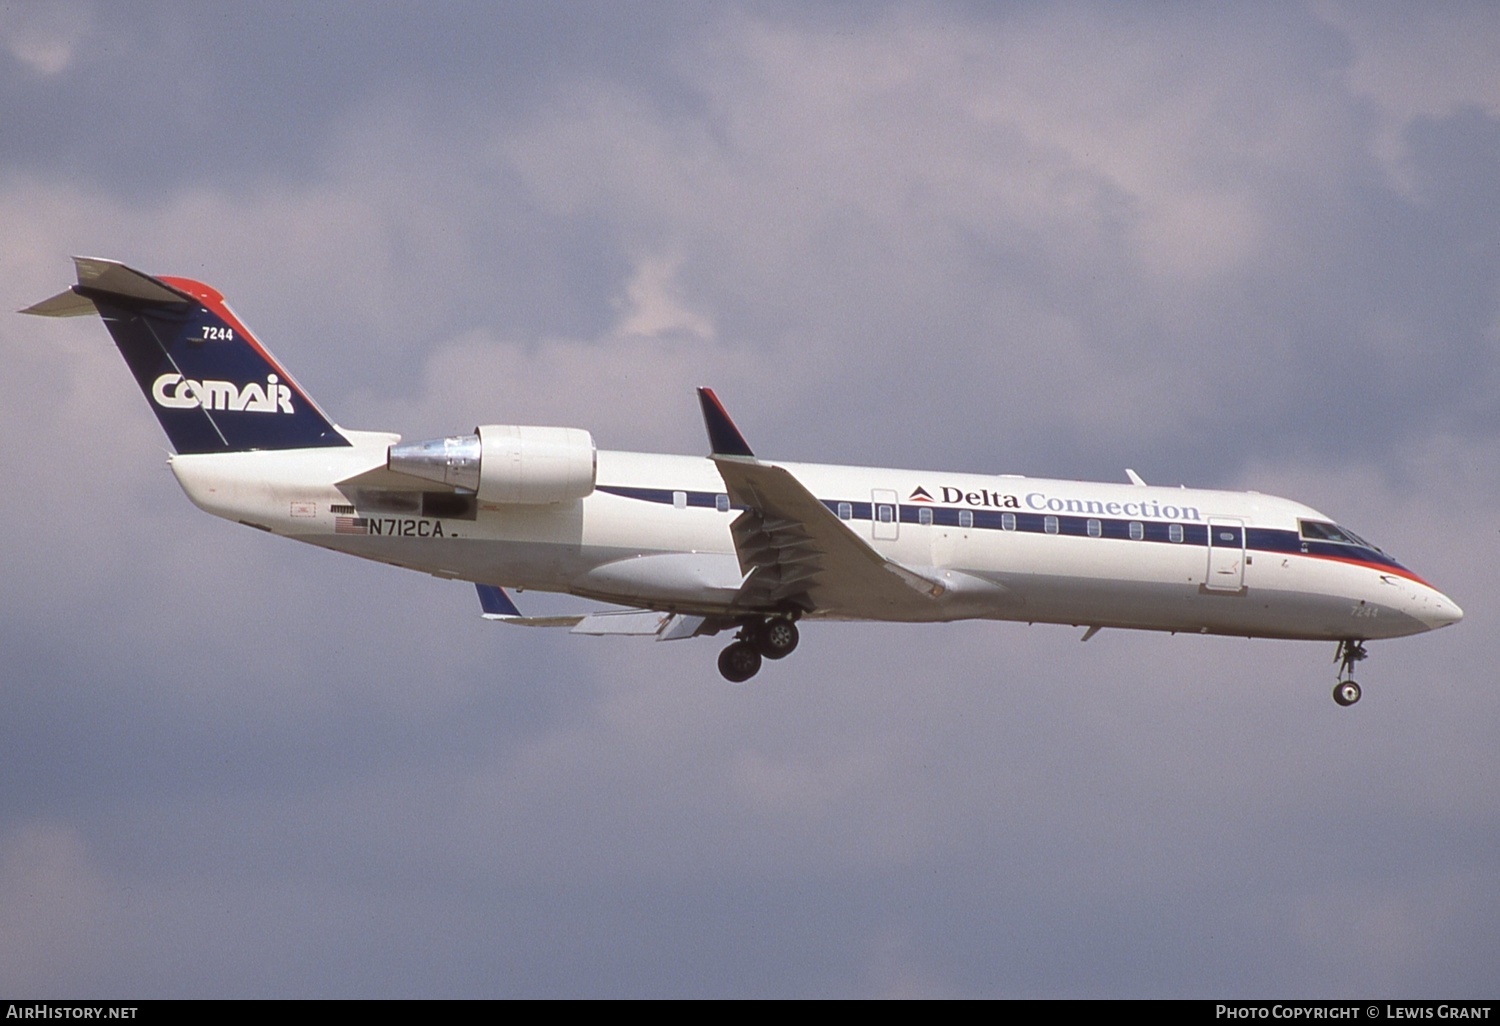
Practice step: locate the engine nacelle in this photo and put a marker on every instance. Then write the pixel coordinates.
(505, 463)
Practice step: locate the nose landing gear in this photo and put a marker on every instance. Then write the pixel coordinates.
(772, 637)
(1346, 692)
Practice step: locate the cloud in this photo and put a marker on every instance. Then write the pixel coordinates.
(652, 307)
(54, 897)
(44, 38)
(1416, 65)
(1054, 241)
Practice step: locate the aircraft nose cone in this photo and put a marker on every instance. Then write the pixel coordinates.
(1441, 611)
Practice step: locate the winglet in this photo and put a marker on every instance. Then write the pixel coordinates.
(724, 439)
(495, 603)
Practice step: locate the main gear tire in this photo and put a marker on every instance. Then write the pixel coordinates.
(739, 662)
(776, 638)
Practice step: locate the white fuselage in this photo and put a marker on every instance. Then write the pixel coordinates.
(655, 533)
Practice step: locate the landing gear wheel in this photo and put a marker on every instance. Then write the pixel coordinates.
(776, 639)
(739, 662)
(1346, 692)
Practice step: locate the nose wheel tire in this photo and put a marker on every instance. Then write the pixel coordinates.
(739, 662)
(1346, 692)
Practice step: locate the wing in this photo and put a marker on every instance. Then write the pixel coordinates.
(496, 605)
(795, 552)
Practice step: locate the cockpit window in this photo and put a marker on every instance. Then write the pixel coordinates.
(1316, 530)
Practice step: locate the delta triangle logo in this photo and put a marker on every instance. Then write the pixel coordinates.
(920, 495)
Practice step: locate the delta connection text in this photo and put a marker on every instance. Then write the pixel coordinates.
(1147, 509)
(1430, 1010)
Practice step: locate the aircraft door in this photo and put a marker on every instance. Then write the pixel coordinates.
(1226, 554)
(885, 515)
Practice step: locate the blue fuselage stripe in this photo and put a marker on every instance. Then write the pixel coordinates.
(1256, 539)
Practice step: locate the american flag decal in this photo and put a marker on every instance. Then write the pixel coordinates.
(351, 525)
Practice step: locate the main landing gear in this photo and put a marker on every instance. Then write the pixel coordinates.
(773, 637)
(1346, 691)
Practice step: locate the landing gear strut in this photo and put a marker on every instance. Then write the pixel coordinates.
(774, 637)
(1346, 691)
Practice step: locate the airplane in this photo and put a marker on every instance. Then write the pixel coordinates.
(695, 546)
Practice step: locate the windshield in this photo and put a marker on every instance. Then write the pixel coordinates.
(1317, 530)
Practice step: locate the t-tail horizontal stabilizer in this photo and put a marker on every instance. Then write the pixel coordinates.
(497, 605)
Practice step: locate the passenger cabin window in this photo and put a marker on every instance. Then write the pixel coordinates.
(846, 511)
(885, 514)
(924, 515)
(1174, 532)
(1050, 525)
(1096, 529)
(721, 503)
(965, 518)
(1007, 521)
(679, 500)
(1137, 530)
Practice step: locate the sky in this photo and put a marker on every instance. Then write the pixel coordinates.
(1234, 246)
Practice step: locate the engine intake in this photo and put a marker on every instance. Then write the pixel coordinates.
(505, 463)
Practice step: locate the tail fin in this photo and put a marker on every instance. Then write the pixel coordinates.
(212, 385)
